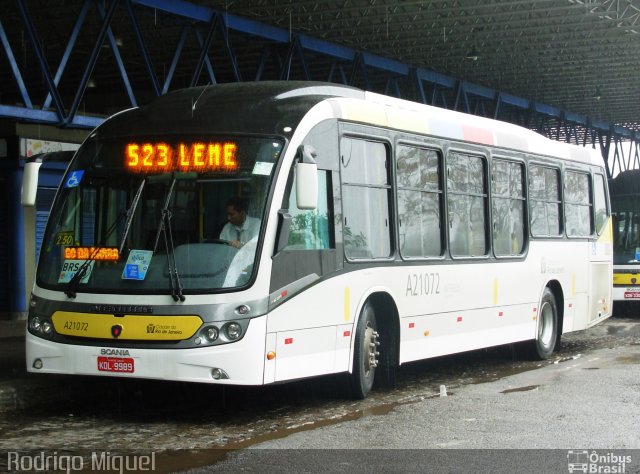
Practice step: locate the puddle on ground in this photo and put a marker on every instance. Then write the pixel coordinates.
(528, 388)
(629, 359)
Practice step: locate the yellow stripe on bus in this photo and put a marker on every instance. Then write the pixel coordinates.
(132, 327)
(347, 303)
(626, 278)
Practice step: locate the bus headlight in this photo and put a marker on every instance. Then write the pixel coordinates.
(35, 324)
(211, 333)
(47, 328)
(233, 331)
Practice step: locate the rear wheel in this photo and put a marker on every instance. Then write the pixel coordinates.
(365, 358)
(545, 343)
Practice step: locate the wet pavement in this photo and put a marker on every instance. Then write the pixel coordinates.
(190, 425)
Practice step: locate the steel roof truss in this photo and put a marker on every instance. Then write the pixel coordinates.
(14, 68)
(42, 61)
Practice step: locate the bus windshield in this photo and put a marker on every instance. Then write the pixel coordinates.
(151, 215)
(626, 231)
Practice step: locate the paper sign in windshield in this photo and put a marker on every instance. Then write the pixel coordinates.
(70, 267)
(137, 265)
(262, 168)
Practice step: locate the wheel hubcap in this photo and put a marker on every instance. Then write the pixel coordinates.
(545, 332)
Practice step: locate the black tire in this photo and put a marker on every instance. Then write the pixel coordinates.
(365, 357)
(544, 344)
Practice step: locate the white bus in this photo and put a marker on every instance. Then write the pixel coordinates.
(386, 232)
(625, 209)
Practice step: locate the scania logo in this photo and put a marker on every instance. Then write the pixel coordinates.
(115, 352)
(116, 330)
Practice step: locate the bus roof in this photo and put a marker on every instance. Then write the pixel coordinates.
(270, 106)
(267, 107)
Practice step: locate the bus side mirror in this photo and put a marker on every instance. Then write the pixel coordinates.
(306, 178)
(30, 183)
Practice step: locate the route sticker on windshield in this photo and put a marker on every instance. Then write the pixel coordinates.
(74, 179)
(262, 168)
(137, 265)
(70, 267)
(65, 237)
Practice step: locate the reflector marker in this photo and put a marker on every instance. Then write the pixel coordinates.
(346, 333)
(500, 314)
(412, 325)
(459, 319)
(426, 333)
(288, 340)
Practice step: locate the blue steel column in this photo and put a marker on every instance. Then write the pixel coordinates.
(16, 240)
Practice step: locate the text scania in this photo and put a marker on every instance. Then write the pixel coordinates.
(114, 352)
(103, 461)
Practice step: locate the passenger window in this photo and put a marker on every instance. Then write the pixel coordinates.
(508, 205)
(578, 204)
(467, 203)
(600, 203)
(544, 194)
(310, 228)
(419, 201)
(365, 199)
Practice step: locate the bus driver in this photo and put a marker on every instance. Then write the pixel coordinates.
(241, 228)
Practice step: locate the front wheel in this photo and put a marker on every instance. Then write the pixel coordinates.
(365, 357)
(545, 343)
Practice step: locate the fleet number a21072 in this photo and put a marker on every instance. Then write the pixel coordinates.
(423, 284)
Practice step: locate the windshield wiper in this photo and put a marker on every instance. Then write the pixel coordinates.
(74, 283)
(130, 212)
(165, 229)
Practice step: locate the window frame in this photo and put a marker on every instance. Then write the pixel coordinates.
(557, 166)
(525, 208)
(484, 158)
(607, 201)
(389, 187)
(589, 174)
(439, 192)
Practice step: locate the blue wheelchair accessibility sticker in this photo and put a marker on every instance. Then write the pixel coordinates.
(74, 179)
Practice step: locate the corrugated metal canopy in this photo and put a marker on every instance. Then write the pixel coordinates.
(580, 56)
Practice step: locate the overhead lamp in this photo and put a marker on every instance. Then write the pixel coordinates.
(91, 84)
(473, 55)
(598, 93)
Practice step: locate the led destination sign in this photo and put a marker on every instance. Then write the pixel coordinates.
(91, 253)
(161, 157)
